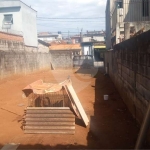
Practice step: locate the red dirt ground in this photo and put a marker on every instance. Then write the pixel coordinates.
(111, 125)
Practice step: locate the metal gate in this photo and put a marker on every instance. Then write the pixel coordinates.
(83, 61)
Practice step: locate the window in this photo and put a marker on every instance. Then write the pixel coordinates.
(145, 8)
(119, 4)
(8, 19)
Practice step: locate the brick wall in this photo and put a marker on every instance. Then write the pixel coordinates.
(129, 67)
(11, 37)
(61, 59)
(16, 58)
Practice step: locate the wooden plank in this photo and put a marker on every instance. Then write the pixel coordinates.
(50, 119)
(49, 127)
(49, 132)
(49, 116)
(72, 103)
(49, 123)
(48, 108)
(77, 103)
(48, 112)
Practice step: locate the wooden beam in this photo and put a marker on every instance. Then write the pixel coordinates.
(77, 103)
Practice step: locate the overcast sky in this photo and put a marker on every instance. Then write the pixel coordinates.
(69, 9)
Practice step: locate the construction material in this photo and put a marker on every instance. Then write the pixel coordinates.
(77, 103)
(50, 108)
(49, 120)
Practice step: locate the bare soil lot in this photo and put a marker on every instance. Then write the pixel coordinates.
(111, 125)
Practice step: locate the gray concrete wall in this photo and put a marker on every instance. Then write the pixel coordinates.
(15, 58)
(43, 49)
(129, 68)
(61, 59)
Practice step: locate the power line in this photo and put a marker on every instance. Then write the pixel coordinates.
(70, 18)
(47, 25)
(72, 21)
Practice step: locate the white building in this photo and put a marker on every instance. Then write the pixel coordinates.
(97, 36)
(120, 12)
(18, 18)
(49, 37)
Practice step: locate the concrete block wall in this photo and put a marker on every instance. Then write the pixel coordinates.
(61, 59)
(16, 58)
(129, 67)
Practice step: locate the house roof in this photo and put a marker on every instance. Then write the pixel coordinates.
(65, 47)
(11, 37)
(58, 42)
(44, 43)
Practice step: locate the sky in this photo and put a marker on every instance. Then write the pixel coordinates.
(69, 9)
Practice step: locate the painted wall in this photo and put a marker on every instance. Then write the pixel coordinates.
(97, 38)
(86, 50)
(24, 20)
(29, 26)
(47, 39)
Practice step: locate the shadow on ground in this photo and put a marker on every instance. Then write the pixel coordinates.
(111, 126)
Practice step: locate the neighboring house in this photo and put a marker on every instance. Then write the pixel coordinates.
(62, 55)
(43, 47)
(95, 49)
(94, 36)
(99, 51)
(49, 37)
(75, 49)
(87, 48)
(89, 39)
(126, 15)
(76, 39)
(18, 18)
(57, 42)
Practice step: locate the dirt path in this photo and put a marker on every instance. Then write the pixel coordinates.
(111, 125)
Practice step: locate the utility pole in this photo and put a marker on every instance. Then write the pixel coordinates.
(68, 36)
(81, 40)
(81, 36)
(78, 31)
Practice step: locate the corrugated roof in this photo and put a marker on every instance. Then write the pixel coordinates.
(66, 47)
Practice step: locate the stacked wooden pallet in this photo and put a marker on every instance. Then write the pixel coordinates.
(49, 120)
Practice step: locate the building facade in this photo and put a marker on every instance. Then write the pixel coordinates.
(97, 36)
(18, 18)
(49, 37)
(120, 12)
